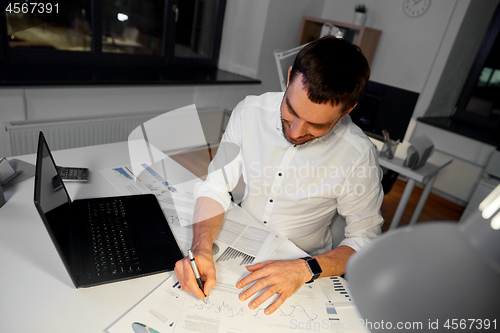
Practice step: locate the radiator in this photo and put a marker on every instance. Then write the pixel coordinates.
(23, 135)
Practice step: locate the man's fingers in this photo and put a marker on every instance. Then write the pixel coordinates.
(277, 303)
(259, 265)
(189, 282)
(185, 275)
(210, 281)
(268, 293)
(255, 275)
(256, 287)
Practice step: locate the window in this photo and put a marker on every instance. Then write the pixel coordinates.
(479, 102)
(134, 27)
(112, 41)
(49, 26)
(471, 110)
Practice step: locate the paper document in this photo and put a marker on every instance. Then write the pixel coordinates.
(240, 242)
(342, 313)
(153, 179)
(243, 241)
(169, 309)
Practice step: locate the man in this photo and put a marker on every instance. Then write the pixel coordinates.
(302, 161)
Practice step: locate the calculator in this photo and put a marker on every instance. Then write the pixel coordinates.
(73, 174)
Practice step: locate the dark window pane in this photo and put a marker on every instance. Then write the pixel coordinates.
(49, 25)
(195, 29)
(485, 99)
(132, 26)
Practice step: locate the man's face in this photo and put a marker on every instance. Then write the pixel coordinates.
(304, 120)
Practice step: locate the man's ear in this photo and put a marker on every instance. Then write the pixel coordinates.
(288, 79)
(348, 111)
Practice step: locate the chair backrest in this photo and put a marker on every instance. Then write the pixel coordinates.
(337, 227)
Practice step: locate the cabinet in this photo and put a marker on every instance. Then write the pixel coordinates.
(364, 37)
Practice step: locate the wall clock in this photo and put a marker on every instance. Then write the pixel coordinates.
(415, 8)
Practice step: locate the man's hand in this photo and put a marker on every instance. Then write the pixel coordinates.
(284, 277)
(206, 267)
(208, 217)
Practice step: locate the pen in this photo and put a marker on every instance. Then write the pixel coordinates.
(141, 328)
(196, 273)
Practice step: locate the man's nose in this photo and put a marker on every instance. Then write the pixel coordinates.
(298, 128)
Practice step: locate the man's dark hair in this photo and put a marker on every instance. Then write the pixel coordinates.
(333, 70)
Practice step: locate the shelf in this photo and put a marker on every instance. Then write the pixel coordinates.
(364, 37)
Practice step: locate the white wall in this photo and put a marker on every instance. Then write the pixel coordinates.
(408, 46)
(412, 54)
(244, 24)
(456, 57)
(428, 56)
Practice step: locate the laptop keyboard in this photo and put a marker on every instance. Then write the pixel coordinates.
(113, 248)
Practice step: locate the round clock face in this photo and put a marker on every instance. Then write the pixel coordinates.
(414, 8)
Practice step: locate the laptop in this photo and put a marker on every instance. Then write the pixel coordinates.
(102, 240)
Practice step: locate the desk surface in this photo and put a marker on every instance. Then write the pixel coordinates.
(36, 292)
(434, 164)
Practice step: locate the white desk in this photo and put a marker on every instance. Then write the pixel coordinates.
(427, 173)
(36, 293)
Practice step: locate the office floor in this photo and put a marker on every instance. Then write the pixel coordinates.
(435, 209)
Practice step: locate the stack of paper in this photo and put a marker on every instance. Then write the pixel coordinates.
(317, 307)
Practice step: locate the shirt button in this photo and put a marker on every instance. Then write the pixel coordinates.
(270, 200)
(280, 174)
(265, 222)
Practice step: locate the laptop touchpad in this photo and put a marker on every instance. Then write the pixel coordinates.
(153, 234)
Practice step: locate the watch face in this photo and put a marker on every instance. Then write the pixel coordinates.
(315, 267)
(414, 8)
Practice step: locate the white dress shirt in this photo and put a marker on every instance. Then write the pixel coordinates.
(296, 190)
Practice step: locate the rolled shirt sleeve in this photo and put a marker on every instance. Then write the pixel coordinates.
(360, 203)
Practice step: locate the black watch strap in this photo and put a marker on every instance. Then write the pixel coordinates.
(314, 268)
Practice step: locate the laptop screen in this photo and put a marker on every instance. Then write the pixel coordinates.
(51, 199)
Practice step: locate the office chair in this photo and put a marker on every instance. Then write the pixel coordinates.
(388, 179)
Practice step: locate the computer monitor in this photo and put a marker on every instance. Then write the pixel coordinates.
(384, 107)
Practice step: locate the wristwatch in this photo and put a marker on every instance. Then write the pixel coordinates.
(314, 268)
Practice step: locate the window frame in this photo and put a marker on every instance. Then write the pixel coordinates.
(95, 58)
(461, 115)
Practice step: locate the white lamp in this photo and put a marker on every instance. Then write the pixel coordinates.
(436, 274)
(283, 60)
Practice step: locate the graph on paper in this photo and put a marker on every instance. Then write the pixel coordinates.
(232, 254)
(177, 218)
(220, 308)
(291, 311)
